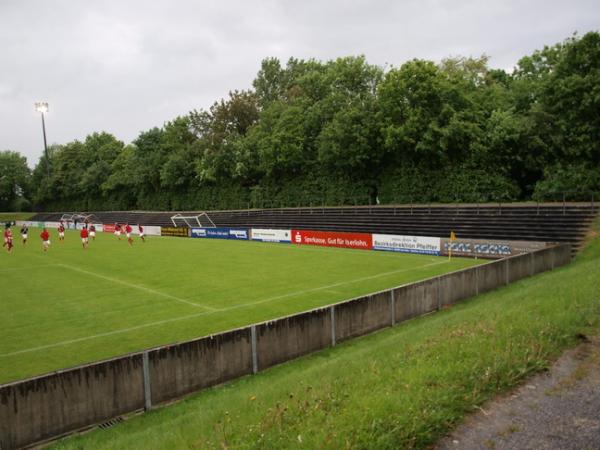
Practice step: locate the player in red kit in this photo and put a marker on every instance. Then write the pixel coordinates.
(128, 232)
(45, 239)
(141, 231)
(61, 233)
(8, 239)
(93, 232)
(84, 237)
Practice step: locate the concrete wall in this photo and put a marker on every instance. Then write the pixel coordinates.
(48, 406)
(191, 366)
(416, 299)
(45, 407)
(562, 255)
(519, 267)
(544, 260)
(293, 336)
(457, 285)
(363, 315)
(490, 276)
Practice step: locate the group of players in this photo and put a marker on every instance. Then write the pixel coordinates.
(88, 231)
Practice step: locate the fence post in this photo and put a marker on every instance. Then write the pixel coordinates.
(332, 309)
(254, 352)
(393, 307)
(147, 387)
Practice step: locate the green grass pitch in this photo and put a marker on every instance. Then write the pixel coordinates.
(71, 306)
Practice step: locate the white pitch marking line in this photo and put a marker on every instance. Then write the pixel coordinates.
(191, 316)
(342, 283)
(137, 286)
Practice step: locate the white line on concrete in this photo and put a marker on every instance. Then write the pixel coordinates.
(136, 286)
(205, 313)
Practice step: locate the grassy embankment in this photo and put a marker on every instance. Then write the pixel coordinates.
(399, 388)
(12, 216)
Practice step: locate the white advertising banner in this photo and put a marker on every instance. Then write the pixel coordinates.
(265, 235)
(407, 244)
(28, 223)
(52, 224)
(151, 230)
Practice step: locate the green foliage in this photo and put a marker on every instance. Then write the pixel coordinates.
(345, 131)
(15, 182)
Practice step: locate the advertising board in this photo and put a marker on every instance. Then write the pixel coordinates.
(487, 248)
(52, 224)
(29, 224)
(149, 230)
(108, 228)
(362, 241)
(220, 233)
(407, 244)
(174, 231)
(265, 235)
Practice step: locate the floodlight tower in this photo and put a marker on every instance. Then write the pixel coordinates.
(42, 107)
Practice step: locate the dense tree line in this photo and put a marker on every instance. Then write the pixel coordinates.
(345, 131)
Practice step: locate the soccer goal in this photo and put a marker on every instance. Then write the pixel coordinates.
(201, 220)
(78, 217)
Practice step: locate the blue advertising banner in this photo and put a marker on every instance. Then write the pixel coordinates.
(220, 233)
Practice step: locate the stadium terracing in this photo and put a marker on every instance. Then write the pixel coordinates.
(545, 222)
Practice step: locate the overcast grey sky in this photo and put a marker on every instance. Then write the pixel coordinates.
(127, 66)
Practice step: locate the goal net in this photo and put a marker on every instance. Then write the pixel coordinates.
(201, 220)
(78, 217)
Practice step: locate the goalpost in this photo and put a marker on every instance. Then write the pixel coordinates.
(201, 220)
(78, 217)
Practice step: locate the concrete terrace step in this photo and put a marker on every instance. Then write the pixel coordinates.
(558, 222)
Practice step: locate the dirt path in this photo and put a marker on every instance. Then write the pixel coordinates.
(559, 409)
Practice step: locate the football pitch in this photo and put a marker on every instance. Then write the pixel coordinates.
(71, 306)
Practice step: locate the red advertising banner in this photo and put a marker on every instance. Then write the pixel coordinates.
(333, 239)
(108, 228)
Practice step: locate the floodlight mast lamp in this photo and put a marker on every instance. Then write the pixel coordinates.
(42, 107)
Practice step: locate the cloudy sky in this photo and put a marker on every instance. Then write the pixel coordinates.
(127, 66)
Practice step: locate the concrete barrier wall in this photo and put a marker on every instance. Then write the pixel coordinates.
(543, 260)
(416, 299)
(191, 366)
(562, 255)
(293, 336)
(490, 276)
(519, 267)
(41, 408)
(457, 285)
(48, 406)
(363, 315)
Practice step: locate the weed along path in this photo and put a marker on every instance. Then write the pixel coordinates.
(556, 410)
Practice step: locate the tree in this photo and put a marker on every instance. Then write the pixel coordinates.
(15, 179)
(218, 130)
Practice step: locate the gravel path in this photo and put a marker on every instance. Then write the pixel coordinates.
(559, 409)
